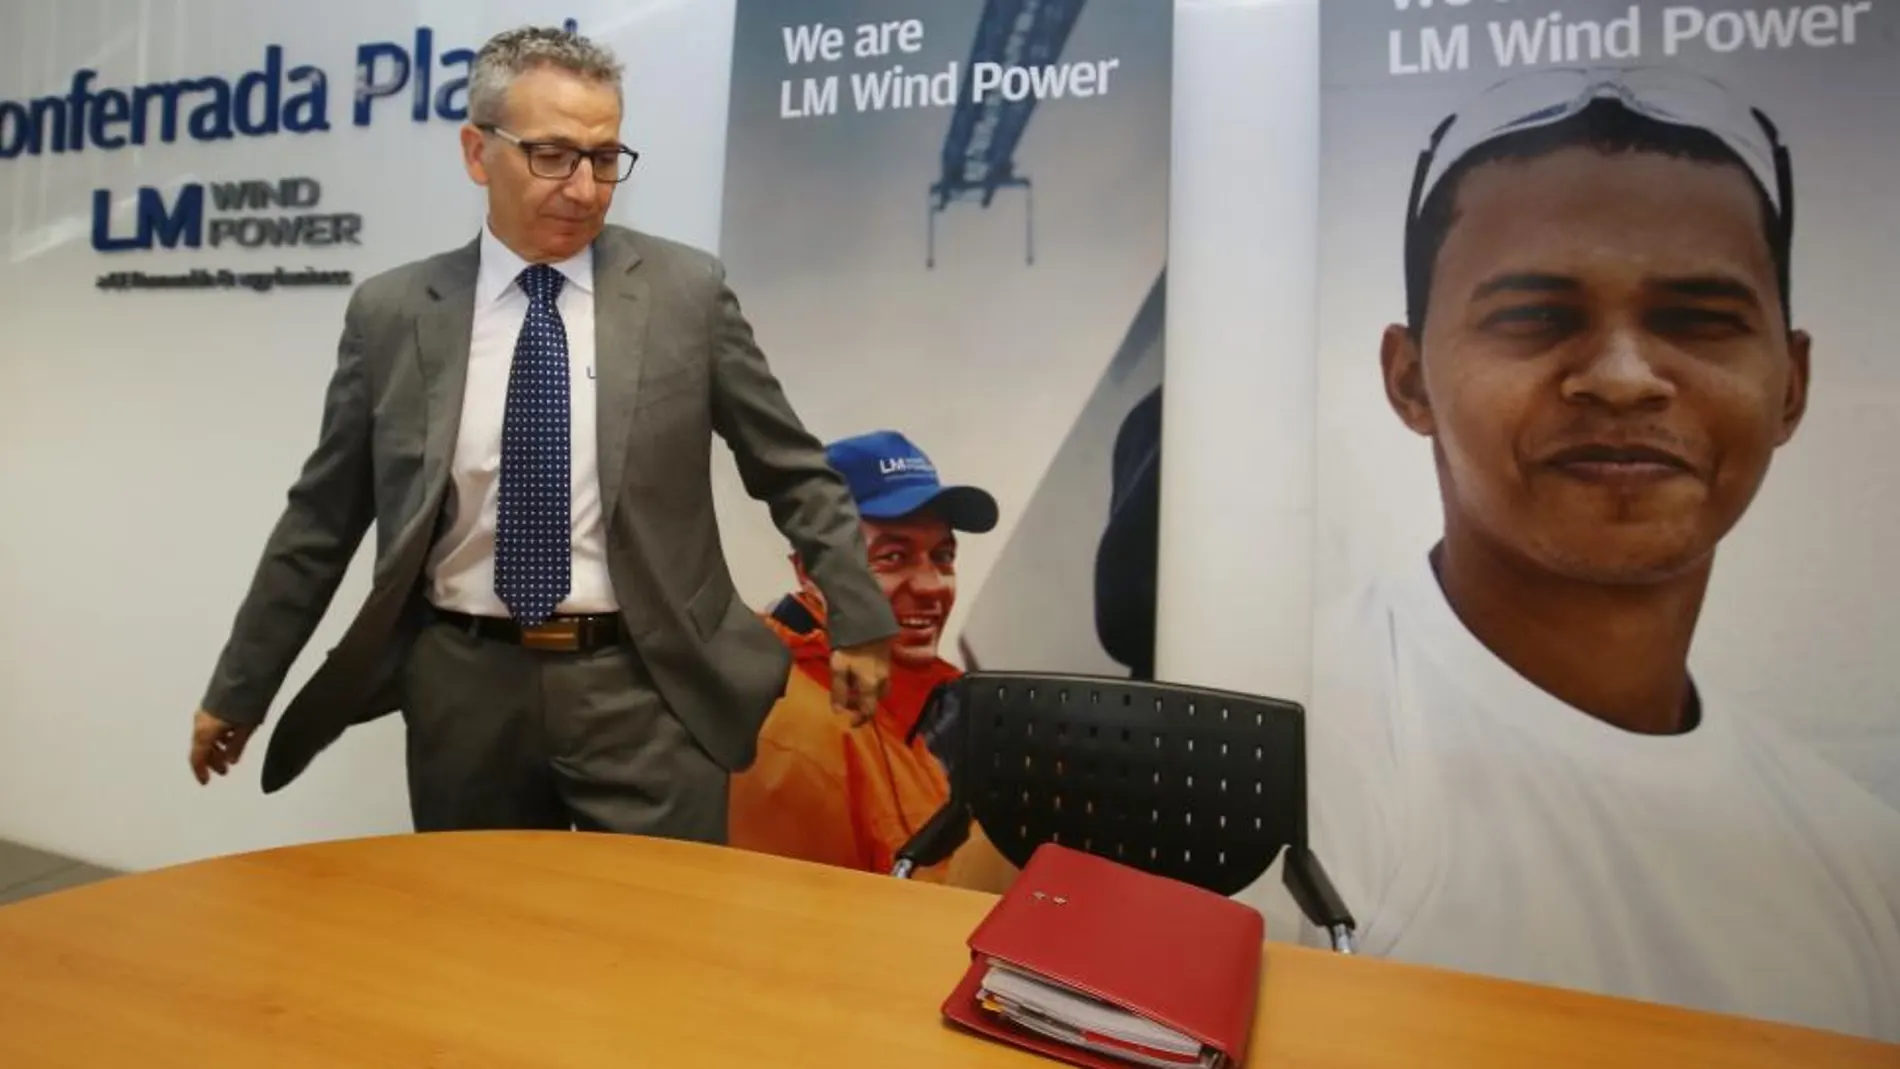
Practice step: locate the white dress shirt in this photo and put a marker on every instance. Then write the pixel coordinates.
(462, 564)
(1472, 821)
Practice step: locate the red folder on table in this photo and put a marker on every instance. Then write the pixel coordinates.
(1101, 965)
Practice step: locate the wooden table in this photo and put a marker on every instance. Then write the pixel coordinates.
(548, 949)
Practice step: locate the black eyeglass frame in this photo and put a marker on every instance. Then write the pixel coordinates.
(529, 148)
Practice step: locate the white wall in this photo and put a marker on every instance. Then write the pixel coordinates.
(131, 524)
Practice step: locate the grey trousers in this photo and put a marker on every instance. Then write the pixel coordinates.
(505, 737)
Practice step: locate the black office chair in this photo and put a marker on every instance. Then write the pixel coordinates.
(1198, 785)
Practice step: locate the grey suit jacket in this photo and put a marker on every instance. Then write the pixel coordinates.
(676, 363)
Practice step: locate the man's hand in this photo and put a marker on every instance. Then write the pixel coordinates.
(860, 677)
(216, 745)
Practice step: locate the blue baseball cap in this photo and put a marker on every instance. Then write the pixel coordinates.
(891, 478)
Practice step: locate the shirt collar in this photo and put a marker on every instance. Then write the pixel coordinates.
(501, 266)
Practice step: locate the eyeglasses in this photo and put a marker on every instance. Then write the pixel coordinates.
(1665, 94)
(1670, 95)
(552, 159)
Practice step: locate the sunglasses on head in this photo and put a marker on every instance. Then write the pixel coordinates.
(1550, 96)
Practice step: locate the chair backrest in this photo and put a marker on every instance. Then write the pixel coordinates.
(1199, 785)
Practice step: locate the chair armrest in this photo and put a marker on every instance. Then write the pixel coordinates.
(941, 835)
(1314, 893)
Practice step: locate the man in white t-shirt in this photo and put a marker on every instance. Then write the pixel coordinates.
(1512, 770)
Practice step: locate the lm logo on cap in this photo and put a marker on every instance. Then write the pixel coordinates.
(905, 466)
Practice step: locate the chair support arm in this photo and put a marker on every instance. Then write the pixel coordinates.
(1313, 891)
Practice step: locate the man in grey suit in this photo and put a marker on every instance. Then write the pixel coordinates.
(528, 423)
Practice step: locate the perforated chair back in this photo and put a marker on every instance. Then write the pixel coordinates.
(1198, 785)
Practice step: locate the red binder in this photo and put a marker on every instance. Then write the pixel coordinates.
(1166, 952)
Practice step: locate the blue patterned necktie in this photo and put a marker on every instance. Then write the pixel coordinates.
(534, 529)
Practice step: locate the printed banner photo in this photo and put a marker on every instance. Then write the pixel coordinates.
(947, 222)
(1603, 672)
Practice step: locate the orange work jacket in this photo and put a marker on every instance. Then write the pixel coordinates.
(824, 791)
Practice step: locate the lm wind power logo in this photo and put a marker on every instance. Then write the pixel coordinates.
(183, 221)
(256, 213)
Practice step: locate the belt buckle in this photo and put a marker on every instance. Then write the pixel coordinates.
(556, 635)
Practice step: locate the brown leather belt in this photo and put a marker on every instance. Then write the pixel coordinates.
(561, 634)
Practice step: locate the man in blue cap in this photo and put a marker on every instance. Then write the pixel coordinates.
(850, 794)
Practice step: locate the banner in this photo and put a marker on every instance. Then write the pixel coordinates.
(947, 222)
(1604, 683)
(189, 194)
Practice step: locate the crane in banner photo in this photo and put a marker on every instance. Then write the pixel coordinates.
(980, 147)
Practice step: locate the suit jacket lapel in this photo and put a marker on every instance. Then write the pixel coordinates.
(620, 329)
(442, 340)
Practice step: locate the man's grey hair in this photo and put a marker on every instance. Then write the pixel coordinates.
(515, 52)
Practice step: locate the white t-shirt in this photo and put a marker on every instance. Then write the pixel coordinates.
(1473, 822)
